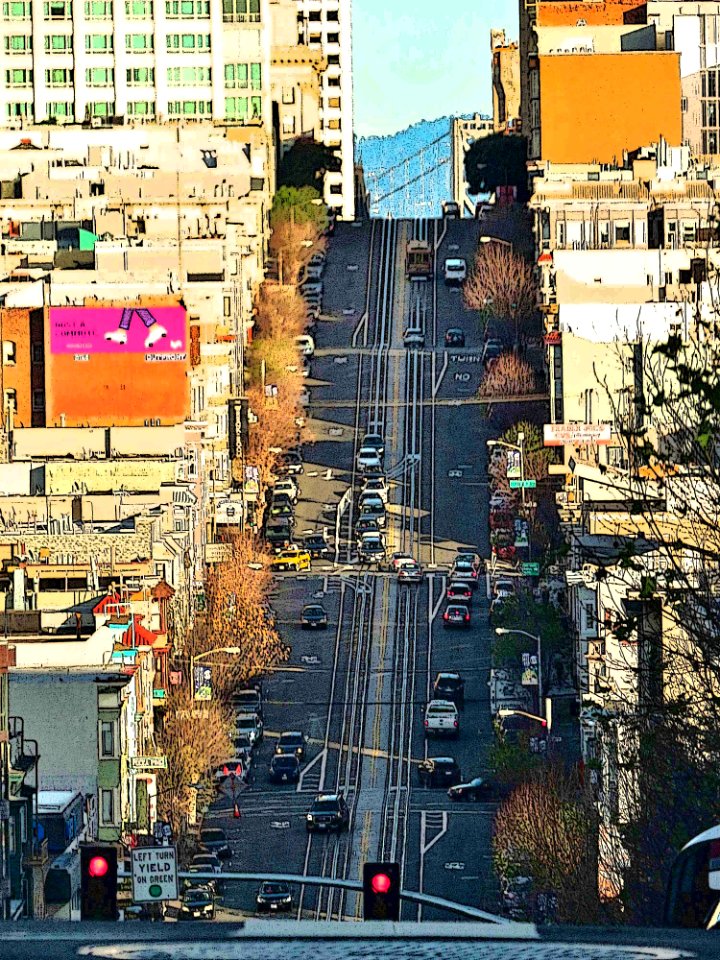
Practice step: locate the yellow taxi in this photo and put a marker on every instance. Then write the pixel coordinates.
(291, 558)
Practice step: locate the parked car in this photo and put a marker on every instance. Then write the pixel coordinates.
(456, 615)
(368, 458)
(459, 591)
(411, 573)
(450, 209)
(292, 558)
(493, 349)
(449, 686)
(378, 486)
(314, 616)
(274, 896)
(439, 772)
(501, 501)
(207, 863)
(291, 463)
(197, 903)
(214, 840)
(279, 511)
(248, 700)
(286, 485)
(329, 811)
(237, 766)
(454, 337)
(282, 497)
(316, 545)
(503, 588)
(284, 768)
(441, 719)
(292, 742)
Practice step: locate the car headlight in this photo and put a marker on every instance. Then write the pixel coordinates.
(287, 899)
(309, 818)
(258, 899)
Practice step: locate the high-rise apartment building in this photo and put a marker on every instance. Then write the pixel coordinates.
(98, 60)
(326, 25)
(505, 83)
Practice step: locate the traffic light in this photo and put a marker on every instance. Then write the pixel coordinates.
(98, 882)
(381, 891)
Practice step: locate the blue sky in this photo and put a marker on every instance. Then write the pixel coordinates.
(422, 59)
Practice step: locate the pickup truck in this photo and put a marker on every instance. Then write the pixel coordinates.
(441, 719)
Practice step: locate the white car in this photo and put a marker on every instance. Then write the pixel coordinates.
(305, 344)
(288, 486)
(413, 337)
(368, 459)
(400, 560)
(455, 270)
(378, 486)
(504, 589)
(442, 719)
(317, 259)
(314, 271)
(501, 501)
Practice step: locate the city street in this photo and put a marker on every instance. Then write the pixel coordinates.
(359, 688)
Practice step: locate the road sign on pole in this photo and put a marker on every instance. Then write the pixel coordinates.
(530, 569)
(154, 874)
(523, 484)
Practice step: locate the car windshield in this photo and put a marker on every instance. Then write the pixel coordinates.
(325, 806)
(211, 836)
(246, 723)
(314, 611)
(197, 897)
(290, 740)
(274, 889)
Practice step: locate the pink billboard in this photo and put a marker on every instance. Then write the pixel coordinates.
(132, 329)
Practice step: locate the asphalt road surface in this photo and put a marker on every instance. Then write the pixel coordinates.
(359, 689)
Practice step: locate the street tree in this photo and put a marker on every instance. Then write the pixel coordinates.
(195, 738)
(507, 376)
(305, 164)
(502, 283)
(497, 161)
(298, 219)
(548, 830)
(536, 456)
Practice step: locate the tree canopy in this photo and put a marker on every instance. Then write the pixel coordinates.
(301, 206)
(305, 163)
(497, 161)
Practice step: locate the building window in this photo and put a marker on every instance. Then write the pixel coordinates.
(37, 353)
(236, 75)
(61, 77)
(186, 9)
(189, 108)
(333, 60)
(335, 188)
(139, 42)
(141, 108)
(101, 109)
(333, 81)
(38, 400)
(241, 11)
(186, 42)
(333, 15)
(333, 38)
(333, 124)
(100, 77)
(57, 10)
(18, 78)
(107, 738)
(334, 103)
(138, 9)
(255, 108)
(99, 43)
(9, 353)
(622, 233)
(59, 43)
(10, 400)
(16, 11)
(140, 77)
(98, 9)
(314, 16)
(236, 108)
(18, 43)
(255, 76)
(188, 76)
(60, 109)
(107, 806)
(288, 95)
(288, 125)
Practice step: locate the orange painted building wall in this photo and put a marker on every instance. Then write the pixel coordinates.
(22, 368)
(121, 388)
(557, 13)
(592, 107)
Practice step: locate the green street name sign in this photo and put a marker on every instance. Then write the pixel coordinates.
(523, 484)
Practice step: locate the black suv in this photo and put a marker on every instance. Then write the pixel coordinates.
(316, 545)
(213, 840)
(449, 686)
(439, 772)
(328, 812)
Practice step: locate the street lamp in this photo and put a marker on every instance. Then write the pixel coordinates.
(503, 632)
(504, 712)
(209, 653)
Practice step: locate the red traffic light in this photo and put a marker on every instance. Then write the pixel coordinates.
(380, 883)
(98, 867)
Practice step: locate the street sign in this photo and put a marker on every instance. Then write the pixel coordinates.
(148, 763)
(154, 874)
(530, 569)
(523, 484)
(218, 552)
